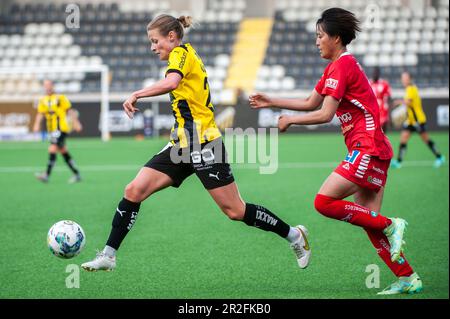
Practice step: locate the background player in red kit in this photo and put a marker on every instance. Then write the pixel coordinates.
(382, 91)
(344, 90)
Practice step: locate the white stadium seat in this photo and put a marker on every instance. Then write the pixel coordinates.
(414, 36)
(264, 72)
(425, 47)
(397, 59)
(222, 60)
(32, 28)
(399, 47)
(438, 47)
(429, 24)
(277, 71)
(386, 47)
(288, 83)
(261, 85)
(411, 59)
(416, 24)
(274, 85)
(412, 47)
(384, 59)
(441, 36)
(403, 24)
(371, 59)
(401, 36)
(57, 28)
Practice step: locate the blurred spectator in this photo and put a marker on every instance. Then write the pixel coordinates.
(382, 91)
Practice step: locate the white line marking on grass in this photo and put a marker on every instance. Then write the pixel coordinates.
(136, 167)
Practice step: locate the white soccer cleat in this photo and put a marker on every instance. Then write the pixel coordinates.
(101, 262)
(43, 177)
(394, 234)
(301, 247)
(74, 179)
(404, 285)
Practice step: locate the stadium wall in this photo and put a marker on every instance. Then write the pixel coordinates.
(155, 118)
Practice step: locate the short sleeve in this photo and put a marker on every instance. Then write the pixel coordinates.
(42, 107)
(178, 62)
(64, 102)
(320, 84)
(335, 81)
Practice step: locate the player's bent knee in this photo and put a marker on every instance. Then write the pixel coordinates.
(233, 213)
(322, 204)
(134, 193)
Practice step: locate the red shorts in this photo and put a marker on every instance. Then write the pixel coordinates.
(364, 170)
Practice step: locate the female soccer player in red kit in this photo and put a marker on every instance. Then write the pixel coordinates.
(344, 90)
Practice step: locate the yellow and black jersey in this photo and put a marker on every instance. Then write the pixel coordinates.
(191, 100)
(55, 107)
(415, 111)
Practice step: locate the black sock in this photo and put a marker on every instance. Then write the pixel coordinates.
(124, 219)
(401, 152)
(261, 217)
(433, 148)
(70, 163)
(51, 163)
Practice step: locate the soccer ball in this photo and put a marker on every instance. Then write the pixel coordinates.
(66, 239)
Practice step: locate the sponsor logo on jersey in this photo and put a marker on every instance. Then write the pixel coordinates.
(331, 83)
(352, 156)
(347, 128)
(373, 214)
(344, 118)
(346, 166)
(374, 180)
(379, 170)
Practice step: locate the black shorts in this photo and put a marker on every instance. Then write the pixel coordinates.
(208, 161)
(58, 138)
(418, 127)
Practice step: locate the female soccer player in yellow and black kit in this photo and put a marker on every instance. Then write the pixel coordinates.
(56, 109)
(195, 147)
(415, 122)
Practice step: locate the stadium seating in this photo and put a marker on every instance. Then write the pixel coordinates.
(395, 37)
(112, 34)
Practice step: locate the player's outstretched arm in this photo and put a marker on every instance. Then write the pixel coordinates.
(74, 116)
(324, 115)
(164, 86)
(37, 122)
(261, 100)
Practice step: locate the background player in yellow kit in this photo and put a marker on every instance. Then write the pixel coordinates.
(415, 122)
(55, 108)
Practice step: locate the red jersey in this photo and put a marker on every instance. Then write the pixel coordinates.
(382, 91)
(358, 110)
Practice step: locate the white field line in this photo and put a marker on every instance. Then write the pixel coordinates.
(136, 167)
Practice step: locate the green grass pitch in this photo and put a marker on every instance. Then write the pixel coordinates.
(182, 246)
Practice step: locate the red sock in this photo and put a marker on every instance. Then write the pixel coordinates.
(350, 212)
(381, 244)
